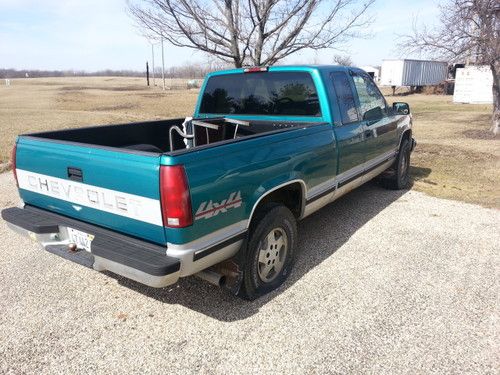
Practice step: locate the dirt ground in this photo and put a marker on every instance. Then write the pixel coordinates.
(456, 157)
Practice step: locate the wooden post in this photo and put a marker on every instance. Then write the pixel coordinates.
(147, 72)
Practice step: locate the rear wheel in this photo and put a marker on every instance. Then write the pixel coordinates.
(270, 251)
(400, 174)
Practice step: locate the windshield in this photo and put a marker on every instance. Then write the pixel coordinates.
(266, 93)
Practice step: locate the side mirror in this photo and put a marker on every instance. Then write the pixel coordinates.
(401, 108)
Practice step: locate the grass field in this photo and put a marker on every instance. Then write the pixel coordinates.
(30, 105)
(456, 156)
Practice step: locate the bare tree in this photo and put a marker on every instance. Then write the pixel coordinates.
(343, 60)
(252, 32)
(469, 30)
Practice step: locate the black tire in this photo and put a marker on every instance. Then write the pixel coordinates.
(401, 170)
(278, 222)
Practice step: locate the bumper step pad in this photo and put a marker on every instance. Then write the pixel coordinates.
(29, 220)
(145, 259)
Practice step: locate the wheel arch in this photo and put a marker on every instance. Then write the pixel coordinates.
(406, 134)
(291, 194)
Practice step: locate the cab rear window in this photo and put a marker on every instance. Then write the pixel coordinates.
(263, 93)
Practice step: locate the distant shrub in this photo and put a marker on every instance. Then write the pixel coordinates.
(442, 88)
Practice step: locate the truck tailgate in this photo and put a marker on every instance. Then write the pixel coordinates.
(115, 189)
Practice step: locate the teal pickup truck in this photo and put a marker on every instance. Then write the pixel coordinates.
(218, 194)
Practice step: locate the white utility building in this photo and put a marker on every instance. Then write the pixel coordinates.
(473, 84)
(409, 72)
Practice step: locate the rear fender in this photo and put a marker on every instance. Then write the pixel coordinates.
(273, 185)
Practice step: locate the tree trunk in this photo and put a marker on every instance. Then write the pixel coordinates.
(495, 121)
(234, 33)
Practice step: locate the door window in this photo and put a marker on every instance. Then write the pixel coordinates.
(345, 97)
(371, 102)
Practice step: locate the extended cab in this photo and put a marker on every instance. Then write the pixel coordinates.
(218, 194)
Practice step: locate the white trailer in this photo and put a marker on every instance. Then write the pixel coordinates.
(373, 71)
(408, 72)
(473, 84)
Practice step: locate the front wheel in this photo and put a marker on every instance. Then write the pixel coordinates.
(400, 178)
(270, 251)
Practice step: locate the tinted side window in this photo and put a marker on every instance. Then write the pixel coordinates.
(266, 93)
(345, 97)
(371, 101)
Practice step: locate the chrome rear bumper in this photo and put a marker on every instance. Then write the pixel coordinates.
(138, 260)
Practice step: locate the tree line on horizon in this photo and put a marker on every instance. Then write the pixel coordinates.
(184, 71)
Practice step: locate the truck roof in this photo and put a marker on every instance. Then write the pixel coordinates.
(285, 68)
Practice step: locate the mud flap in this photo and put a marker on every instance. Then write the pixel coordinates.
(232, 269)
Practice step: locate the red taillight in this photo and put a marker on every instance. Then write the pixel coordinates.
(256, 69)
(175, 197)
(13, 163)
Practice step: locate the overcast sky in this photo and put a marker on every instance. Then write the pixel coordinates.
(98, 34)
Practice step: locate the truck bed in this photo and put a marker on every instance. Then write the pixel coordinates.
(154, 136)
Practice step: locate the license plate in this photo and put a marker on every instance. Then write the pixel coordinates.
(81, 239)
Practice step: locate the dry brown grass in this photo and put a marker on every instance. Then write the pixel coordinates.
(31, 105)
(456, 156)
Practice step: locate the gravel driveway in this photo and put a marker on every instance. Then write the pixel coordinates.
(386, 282)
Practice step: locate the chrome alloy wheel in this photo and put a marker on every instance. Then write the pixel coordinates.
(272, 254)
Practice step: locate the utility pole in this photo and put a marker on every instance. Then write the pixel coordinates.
(153, 61)
(162, 64)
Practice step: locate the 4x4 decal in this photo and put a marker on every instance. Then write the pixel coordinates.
(210, 209)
